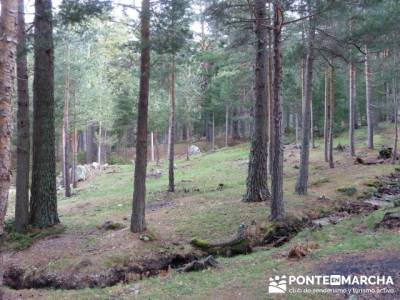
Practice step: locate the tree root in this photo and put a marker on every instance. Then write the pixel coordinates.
(199, 265)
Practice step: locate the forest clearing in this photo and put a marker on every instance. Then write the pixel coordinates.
(200, 209)
(204, 149)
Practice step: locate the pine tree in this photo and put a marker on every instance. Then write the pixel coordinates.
(23, 128)
(43, 206)
(138, 223)
(8, 45)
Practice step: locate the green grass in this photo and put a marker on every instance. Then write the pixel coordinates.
(208, 213)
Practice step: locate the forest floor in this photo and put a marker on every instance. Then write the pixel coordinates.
(208, 205)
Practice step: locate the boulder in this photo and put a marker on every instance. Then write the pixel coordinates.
(81, 173)
(154, 173)
(193, 150)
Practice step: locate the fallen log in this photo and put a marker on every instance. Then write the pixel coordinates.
(368, 161)
(240, 244)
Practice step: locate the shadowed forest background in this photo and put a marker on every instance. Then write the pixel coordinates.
(194, 149)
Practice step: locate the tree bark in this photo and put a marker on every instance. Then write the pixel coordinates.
(257, 187)
(138, 223)
(352, 107)
(270, 97)
(8, 48)
(100, 142)
(152, 146)
(213, 133)
(326, 117)
(226, 124)
(369, 113)
(235, 123)
(157, 149)
(331, 114)
(277, 207)
(74, 144)
(396, 121)
(65, 128)
(172, 121)
(302, 180)
(43, 206)
(23, 131)
(312, 125)
(74, 157)
(297, 127)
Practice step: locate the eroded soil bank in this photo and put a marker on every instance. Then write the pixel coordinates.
(386, 190)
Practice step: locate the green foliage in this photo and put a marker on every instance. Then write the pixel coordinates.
(74, 12)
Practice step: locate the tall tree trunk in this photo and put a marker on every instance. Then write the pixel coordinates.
(277, 208)
(172, 121)
(235, 123)
(8, 48)
(23, 131)
(157, 149)
(65, 128)
(74, 145)
(74, 157)
(302, 180)
(270, 97)
(396, 121)
(91, 150)
(331, 114)
(368, 104)
(152, 145)
(312, 125)
(188, 141)
(138, 223)
(99, 144)
(43, 206)
(226, 124)
(297, 127)
(352, 107)
(257, 187)
(213, 133)
(326, 117)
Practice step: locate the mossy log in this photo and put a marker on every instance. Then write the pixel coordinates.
(240, 244)
(280, 232)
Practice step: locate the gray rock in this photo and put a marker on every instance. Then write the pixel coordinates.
(193, 150)
(81, 173)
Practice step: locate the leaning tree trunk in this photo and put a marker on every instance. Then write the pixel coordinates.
(8, 48)
(257, 187)
(396, 121)
(302, 180)
(352, 107)
(43, 189)
(23, 137)
(277, 208)
(138, 223)
(326, 116)
(370, 125)
(331, 114)
(172, 121)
